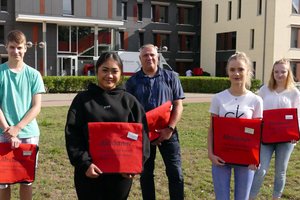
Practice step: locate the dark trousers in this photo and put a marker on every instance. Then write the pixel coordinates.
(170, 152)
(107, 186)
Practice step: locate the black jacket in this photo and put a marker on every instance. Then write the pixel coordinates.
(98, 105)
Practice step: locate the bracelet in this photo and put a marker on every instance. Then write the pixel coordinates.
(170, 127)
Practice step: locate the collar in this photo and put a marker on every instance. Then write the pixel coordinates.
(141, 73)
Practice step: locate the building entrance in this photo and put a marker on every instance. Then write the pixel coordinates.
(67, 65)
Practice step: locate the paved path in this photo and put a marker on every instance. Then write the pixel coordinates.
(66, 99)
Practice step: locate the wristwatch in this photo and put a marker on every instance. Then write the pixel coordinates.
(171, 128)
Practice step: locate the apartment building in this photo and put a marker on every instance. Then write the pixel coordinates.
(66, 35)
(266, 30)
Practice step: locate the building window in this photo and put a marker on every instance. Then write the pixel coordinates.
(184, 15)
(64, 38)
(259, 7)
(226, 41)
(4, 5)
(161, 39)
(295, 66)
(140, 11)
(252, 39)
(2, 41)
(239, 13)
(68, 7)
(86, 41)
(216, 13)
(229, 10)
(185, 42)
(124, 10)
(141, 38)
(121, 40)
(295, 35)
(159, 13)
(295, 6)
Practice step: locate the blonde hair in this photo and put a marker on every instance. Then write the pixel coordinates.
(242, 56)
(290, 83)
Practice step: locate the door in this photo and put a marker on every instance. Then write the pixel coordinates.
(67, 65)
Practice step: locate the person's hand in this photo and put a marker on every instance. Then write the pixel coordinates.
(12, 131)
(216, 160)
(93, 171)
(252, 167)
(128, 176)
(164, 134)
(15, 142)
(294, 141)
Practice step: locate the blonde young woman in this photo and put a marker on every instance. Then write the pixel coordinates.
(279, 93)
(237, 102)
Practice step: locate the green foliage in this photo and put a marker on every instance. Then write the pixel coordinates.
(67, 84)
(204, 84)
(196, 84)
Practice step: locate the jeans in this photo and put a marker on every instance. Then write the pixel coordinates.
(283, 152)
(243, 178)
(170, 152)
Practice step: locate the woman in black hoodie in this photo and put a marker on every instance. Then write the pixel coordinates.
(106, 102)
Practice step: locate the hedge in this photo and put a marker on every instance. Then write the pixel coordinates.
(195, 84)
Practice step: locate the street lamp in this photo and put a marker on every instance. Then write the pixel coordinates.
(41, 45)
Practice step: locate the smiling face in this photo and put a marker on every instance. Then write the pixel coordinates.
(280, 73)
(109, 74)
(149, 59)
(237, 71)
(16, 51)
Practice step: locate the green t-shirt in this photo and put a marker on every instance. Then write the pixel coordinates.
(16, 92)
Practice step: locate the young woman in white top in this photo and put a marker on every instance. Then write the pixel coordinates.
(236, 102)
(279, 93)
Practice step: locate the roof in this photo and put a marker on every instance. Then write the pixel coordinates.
(68, 20)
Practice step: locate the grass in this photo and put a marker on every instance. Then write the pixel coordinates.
(54, 178)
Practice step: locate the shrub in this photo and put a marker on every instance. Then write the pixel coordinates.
(196, 84)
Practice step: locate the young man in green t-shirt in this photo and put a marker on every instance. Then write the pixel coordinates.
(20, 103)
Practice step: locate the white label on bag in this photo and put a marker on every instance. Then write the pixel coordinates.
(289, 117)
(27, 153)
(249, 130)
(132, 135)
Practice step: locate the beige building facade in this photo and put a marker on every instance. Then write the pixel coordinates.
(266, 30)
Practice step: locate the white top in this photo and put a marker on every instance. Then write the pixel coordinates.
(285, 99)
(189, 73)
(224, 104)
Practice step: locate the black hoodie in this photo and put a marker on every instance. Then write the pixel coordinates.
(98, 105)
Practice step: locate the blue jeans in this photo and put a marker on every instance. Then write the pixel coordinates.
(170, 152)
(283, 152)
(243, 178)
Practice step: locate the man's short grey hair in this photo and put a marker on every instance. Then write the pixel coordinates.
(148, 46)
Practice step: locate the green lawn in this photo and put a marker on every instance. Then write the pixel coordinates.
(54, 178)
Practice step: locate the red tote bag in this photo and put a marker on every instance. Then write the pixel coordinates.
(280, 125)
(116, 147)
(17, 165)
(158, 118)
(237, 140)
